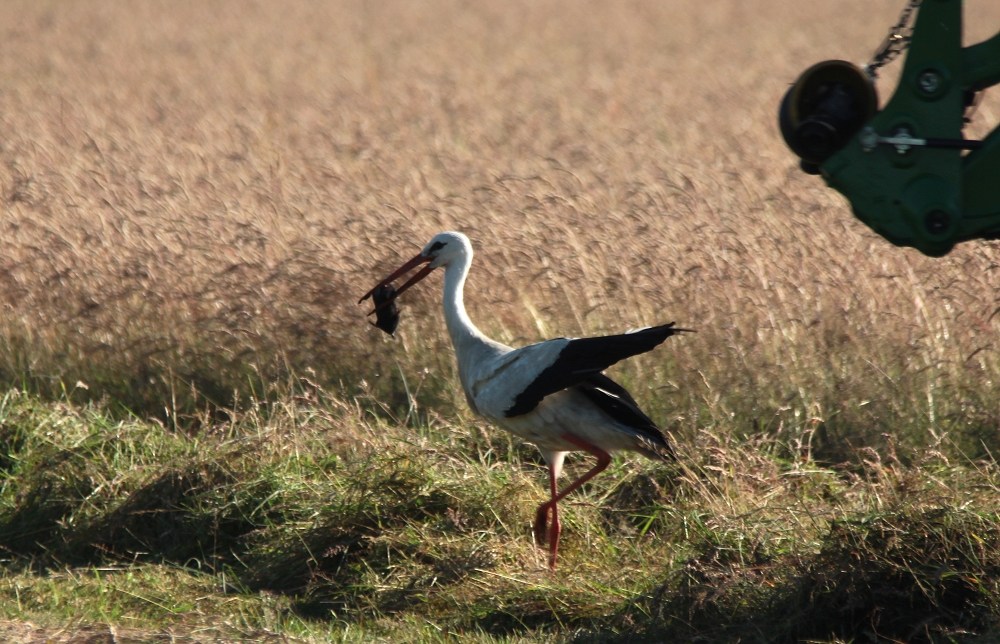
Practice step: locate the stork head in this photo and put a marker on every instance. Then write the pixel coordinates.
(446, 247)
(441, 250)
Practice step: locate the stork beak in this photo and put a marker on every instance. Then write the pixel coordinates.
(402, 270)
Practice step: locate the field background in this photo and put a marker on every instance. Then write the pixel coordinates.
(194, 195)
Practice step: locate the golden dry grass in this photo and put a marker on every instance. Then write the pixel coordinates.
(191, 188)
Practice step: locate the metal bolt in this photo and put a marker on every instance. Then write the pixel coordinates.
(902, 133)
(869, 139)
(937, 222)
(929, 82)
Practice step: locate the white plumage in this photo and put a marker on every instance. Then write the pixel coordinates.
(553, 393)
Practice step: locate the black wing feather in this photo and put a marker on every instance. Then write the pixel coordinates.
(615, 401)
(586, 357)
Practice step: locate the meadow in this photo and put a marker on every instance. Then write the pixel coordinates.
(201, 438)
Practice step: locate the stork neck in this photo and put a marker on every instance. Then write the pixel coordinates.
(460, 327)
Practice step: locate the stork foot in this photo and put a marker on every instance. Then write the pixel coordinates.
(554, 531)
(542, 516)
(546, 532)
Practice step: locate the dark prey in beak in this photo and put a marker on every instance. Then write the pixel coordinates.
(386, 317)
(384, 294)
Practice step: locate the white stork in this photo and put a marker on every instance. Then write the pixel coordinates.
(552, 393)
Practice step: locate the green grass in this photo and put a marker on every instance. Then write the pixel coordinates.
(322, 520)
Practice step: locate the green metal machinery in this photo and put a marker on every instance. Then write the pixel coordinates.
(906, 169)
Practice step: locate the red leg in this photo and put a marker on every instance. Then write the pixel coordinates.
(541, 518)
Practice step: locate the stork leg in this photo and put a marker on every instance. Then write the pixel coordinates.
(542, 517)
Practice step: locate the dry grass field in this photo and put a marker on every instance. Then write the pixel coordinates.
(203, 438)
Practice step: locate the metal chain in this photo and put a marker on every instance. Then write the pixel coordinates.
(896, 42)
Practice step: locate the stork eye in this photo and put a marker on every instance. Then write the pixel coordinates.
(435, 246)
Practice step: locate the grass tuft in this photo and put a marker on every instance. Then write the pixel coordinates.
(321, 518)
